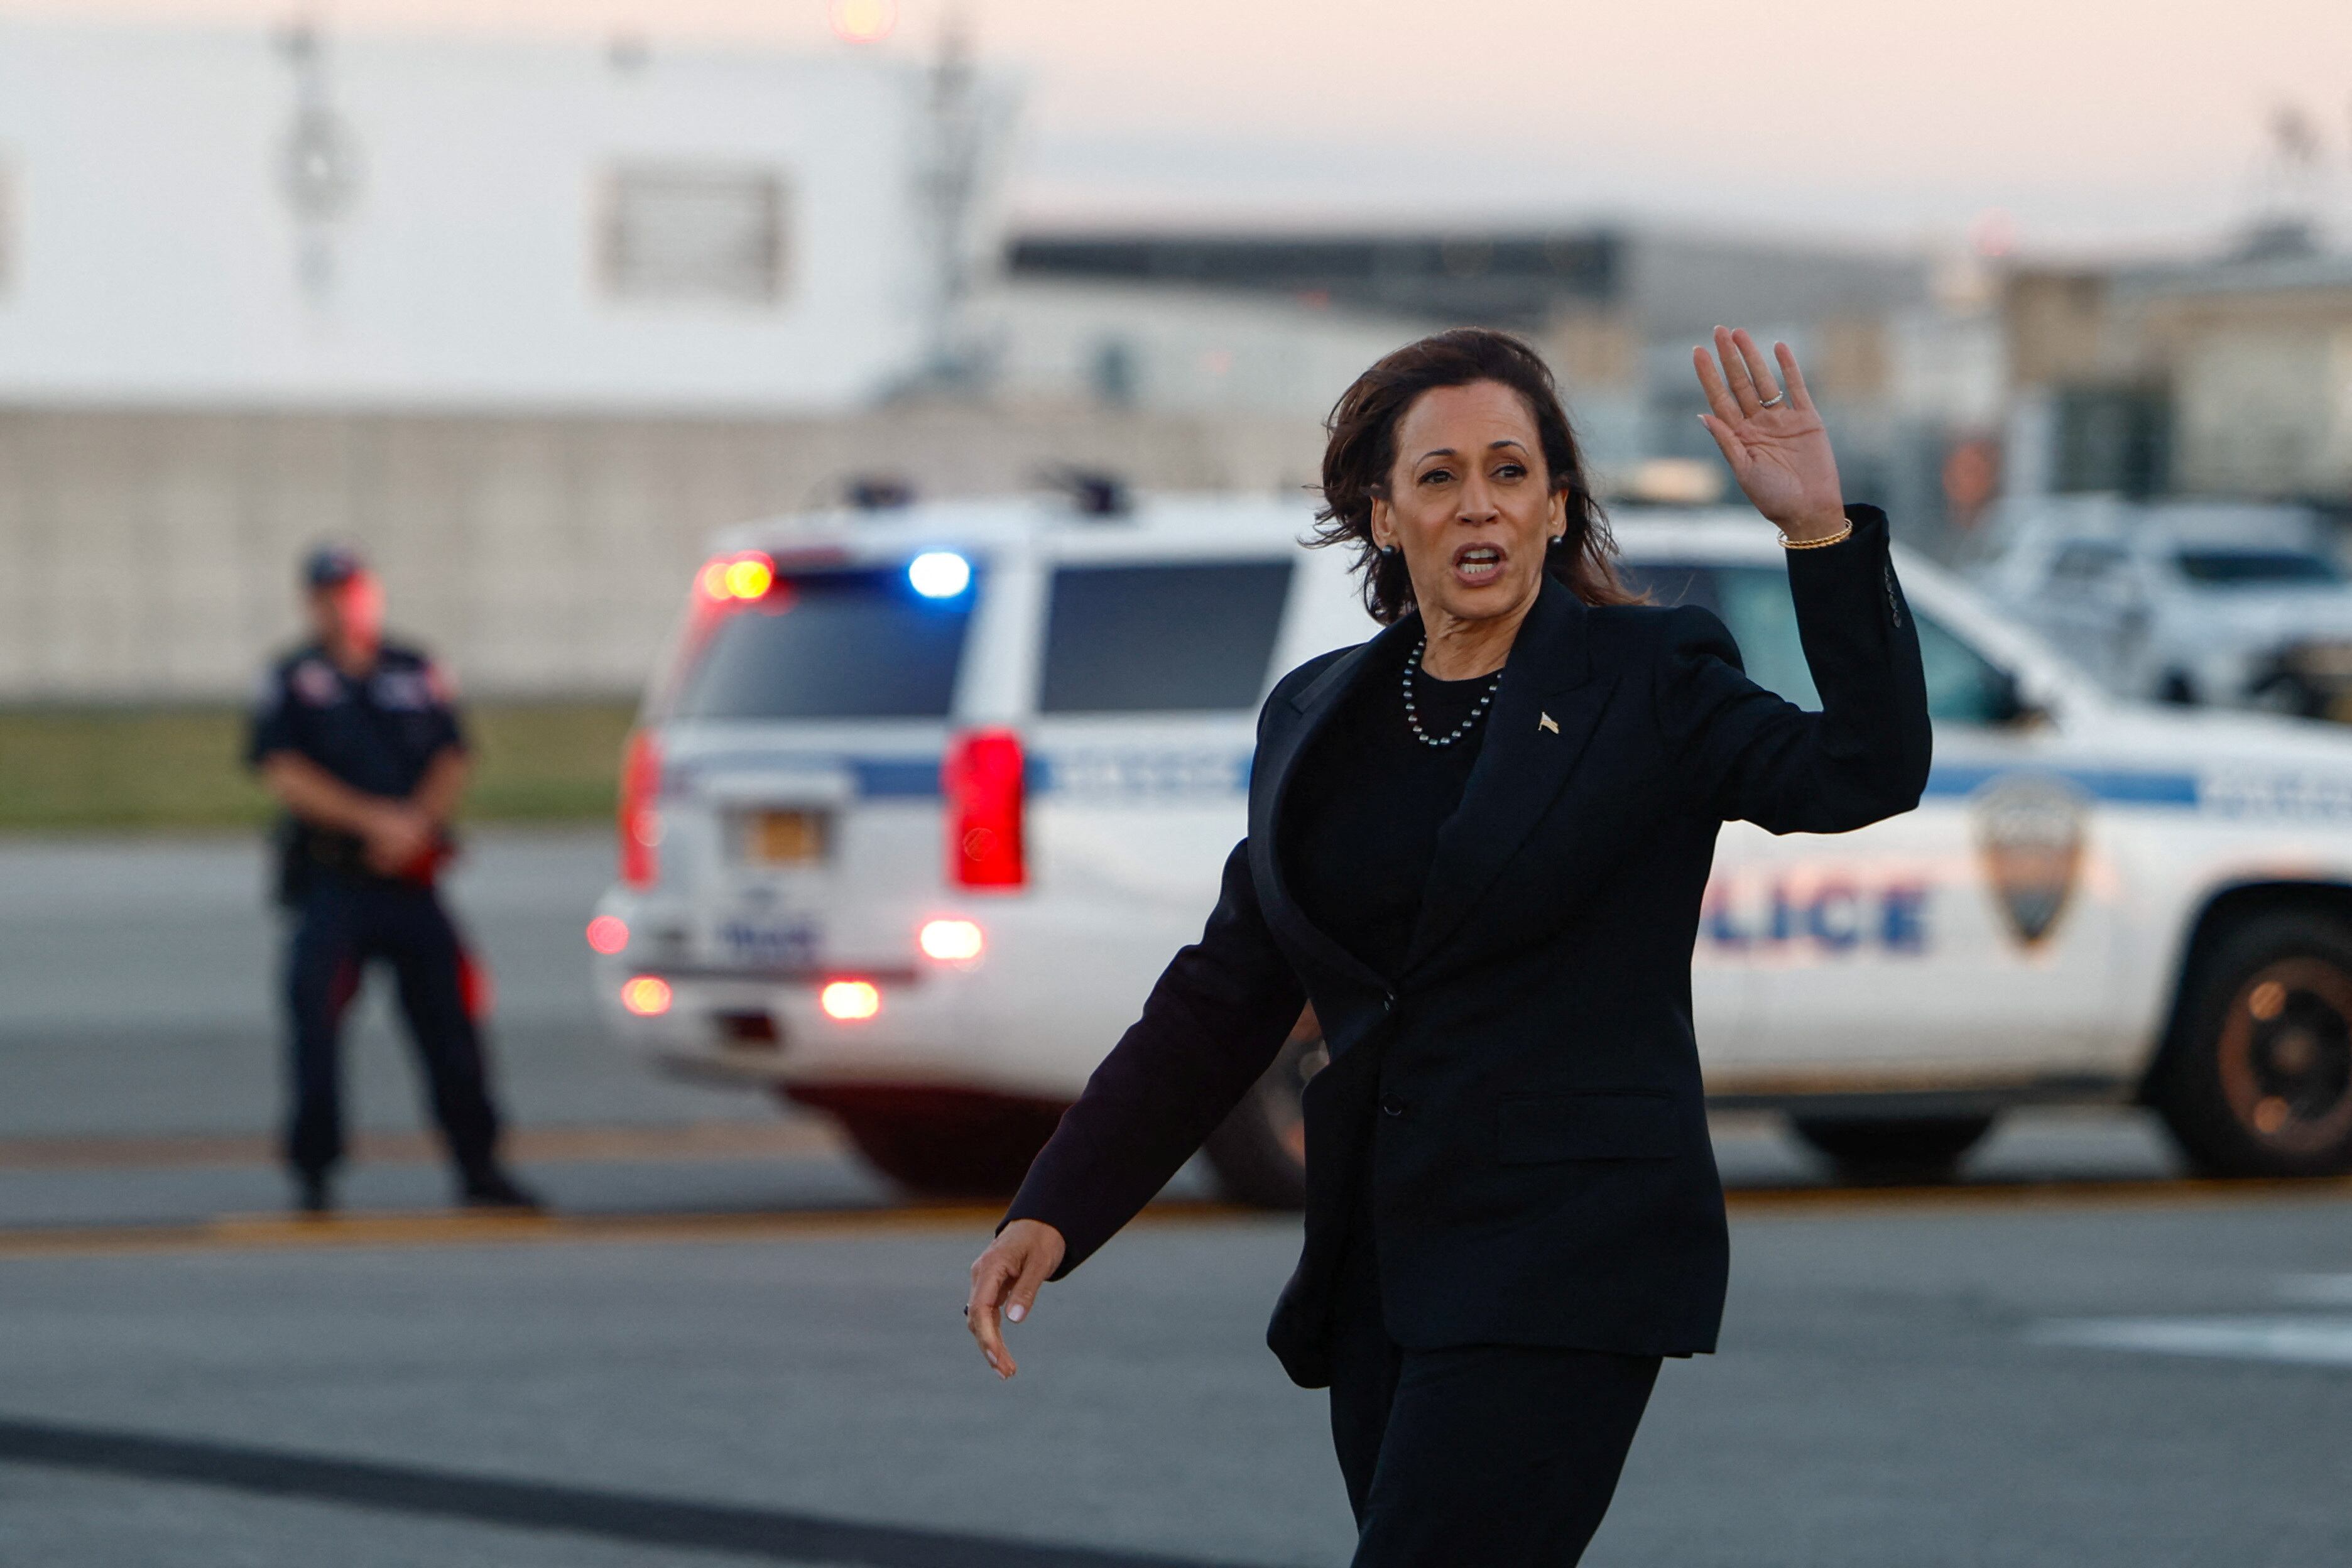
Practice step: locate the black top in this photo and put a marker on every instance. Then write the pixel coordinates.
(378, 733)
(1526, 1091)
(1361, 820)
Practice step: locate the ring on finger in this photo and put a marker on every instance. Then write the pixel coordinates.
(1769, 402)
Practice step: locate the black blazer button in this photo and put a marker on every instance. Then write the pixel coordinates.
(1391, 1106)
(1388, 1001)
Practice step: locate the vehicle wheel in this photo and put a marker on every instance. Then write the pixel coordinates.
(2257, 1078)
(941, 1143)
(1882, 1151)
(1259, 1152)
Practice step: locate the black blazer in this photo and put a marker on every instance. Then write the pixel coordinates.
(1525, 1096)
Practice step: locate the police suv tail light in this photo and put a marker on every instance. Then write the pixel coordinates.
(982, 775)
(640, 817)
(647, 996)
(951, 942)
(850, 1001)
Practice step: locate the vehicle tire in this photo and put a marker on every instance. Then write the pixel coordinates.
(1887, 1151)
(2256, 1079)
(943, 1143)
(1259, 1152)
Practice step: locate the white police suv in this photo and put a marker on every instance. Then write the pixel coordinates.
(924, 799)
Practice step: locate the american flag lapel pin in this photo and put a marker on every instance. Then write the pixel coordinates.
(1546, 722)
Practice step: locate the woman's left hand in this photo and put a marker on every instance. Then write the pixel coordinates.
(1780, 455)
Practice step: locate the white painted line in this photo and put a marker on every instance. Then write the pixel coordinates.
(2302, 1340)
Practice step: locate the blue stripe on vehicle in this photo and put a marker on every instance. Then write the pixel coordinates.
(917, 778)
(1144, 772)
(896, 778)
(2120, 786)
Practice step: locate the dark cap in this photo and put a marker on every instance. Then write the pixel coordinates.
(331, 566)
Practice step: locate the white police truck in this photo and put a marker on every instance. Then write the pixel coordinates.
(924, 799)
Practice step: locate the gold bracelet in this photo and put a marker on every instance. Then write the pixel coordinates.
(1839, 537)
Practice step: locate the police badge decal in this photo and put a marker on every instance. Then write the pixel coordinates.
(2030, 830)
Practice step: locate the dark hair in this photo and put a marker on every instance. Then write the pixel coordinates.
(1361, 452)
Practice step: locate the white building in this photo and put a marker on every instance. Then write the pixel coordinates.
(525, 319)
(216, 217)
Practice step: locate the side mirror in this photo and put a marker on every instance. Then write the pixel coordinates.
(2006, 704)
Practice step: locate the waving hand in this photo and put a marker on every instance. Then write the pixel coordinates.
(1771, 435)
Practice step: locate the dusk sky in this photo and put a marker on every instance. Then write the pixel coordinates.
(2097, 123)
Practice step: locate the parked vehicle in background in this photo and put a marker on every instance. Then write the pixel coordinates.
(925, 799)
(2234, 605)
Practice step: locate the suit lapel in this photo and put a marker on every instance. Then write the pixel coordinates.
(1545, 711)
(1277, 763)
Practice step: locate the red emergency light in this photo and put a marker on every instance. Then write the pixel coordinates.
(982, 778)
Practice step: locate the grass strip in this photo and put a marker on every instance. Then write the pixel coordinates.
(81, 769)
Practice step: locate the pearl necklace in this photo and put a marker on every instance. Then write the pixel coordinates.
(1413, 716)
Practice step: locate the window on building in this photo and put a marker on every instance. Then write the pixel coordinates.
(694, 237)
(1195, 638)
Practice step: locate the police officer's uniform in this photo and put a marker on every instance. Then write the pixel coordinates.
(378, 734)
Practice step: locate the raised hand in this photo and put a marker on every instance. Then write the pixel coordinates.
(1771, 435)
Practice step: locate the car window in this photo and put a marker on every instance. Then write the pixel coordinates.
(1763, 621)
(832, 644)
(1195, 637)
(2255, 568)
(1671, 583)
(1963, 686)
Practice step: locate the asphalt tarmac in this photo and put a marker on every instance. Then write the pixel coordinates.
(730, 1343)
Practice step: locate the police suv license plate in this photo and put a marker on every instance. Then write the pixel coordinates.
(788, 837)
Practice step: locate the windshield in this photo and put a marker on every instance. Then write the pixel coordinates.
(2255, 568)
(832, 644)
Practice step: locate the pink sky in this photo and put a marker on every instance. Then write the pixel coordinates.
(2094, 122)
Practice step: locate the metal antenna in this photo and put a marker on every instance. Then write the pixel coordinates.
(948, 188)
(318, 161)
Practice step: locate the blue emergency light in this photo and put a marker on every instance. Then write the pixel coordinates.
(938, 573)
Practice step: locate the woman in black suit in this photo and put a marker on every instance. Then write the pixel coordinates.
(1477, 845)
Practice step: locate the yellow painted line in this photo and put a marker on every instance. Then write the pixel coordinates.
(456, 1229)
(2191, 1192)
(394, 1231)
(786, 1138)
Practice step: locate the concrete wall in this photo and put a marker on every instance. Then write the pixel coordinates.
(150, 555)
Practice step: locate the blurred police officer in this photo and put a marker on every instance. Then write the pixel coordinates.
(359, 740)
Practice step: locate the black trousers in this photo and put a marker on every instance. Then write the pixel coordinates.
(1497, 1456)
(341, 924)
